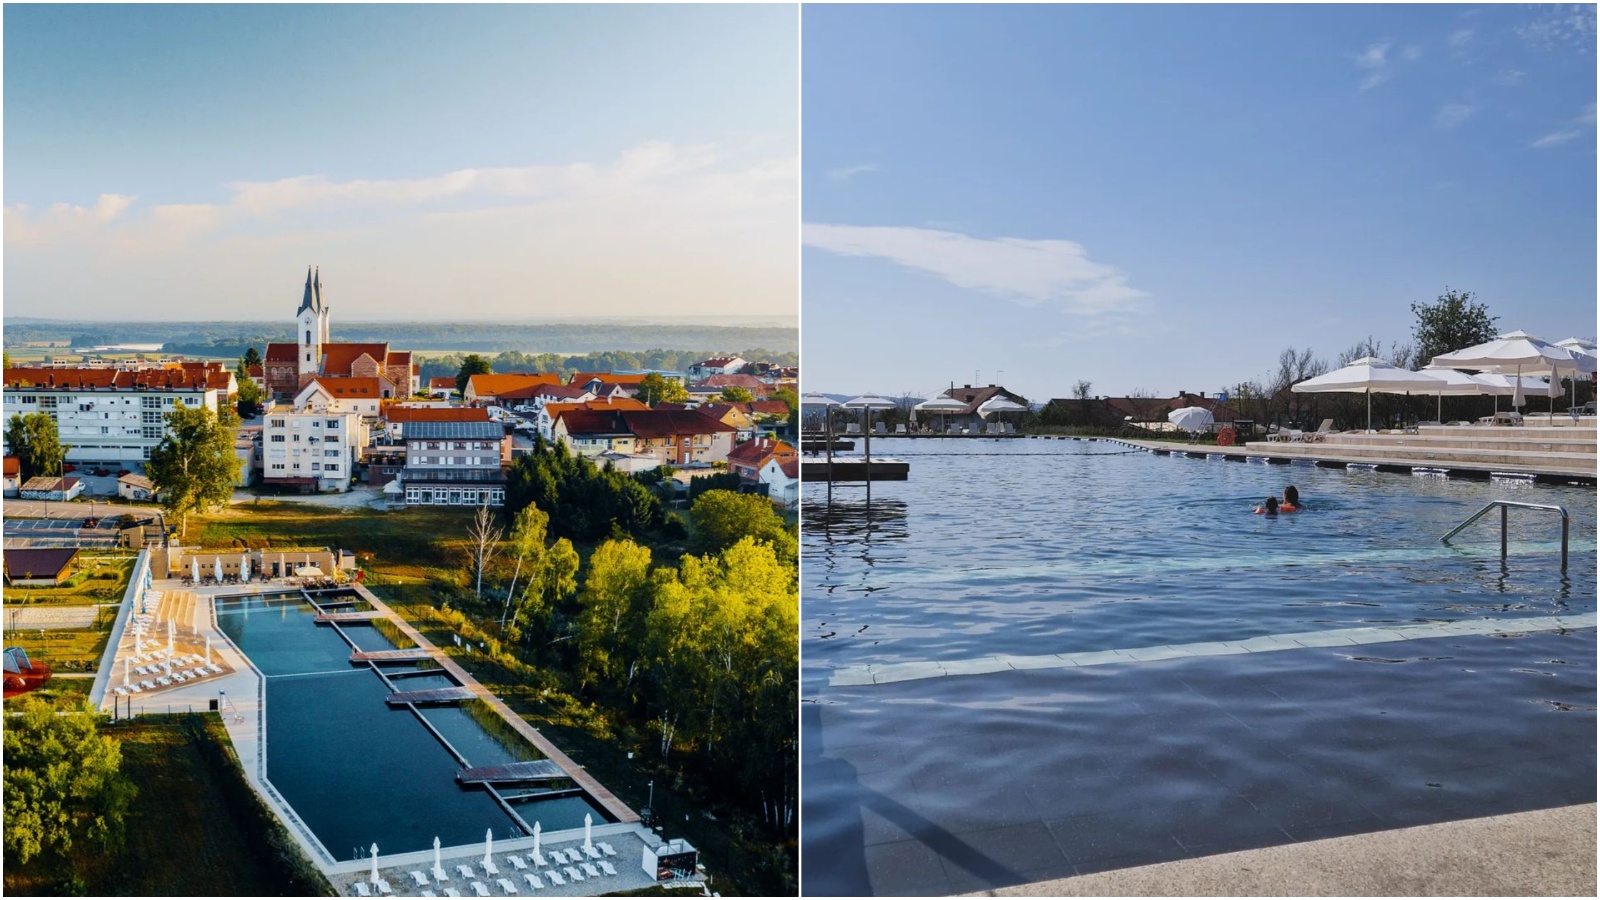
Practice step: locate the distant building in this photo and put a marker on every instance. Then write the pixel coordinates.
(13, 476)
(488, 390)
(442, 386)
(397, 416)
(717, 365)
(712, 386)
(749, 458)
(455, 464)
(135, 487)
(782, 478)
(974, 397)
(289, 366)
(607, 384)
(310, 449)
(109, 416)
(676, 437)
(545, 418)
(363, 396)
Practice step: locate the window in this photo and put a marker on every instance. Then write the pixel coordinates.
(277, 423)
(316, 467)
(277, 439)
(149, 402)
(277, 466)
(333, 423)
(330, 453)
(153, 433)
(297, 439)
(297, 465)
(332, 467)
(308, 340)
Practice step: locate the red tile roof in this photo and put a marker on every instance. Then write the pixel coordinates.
(337, 358)
(442, 381)
(607, 378)
(170, 379)
(580, 420)
(756, 452)
(350, 387)
(498, 385)
(13, 466)
(791, 467)
(717, 361)
(658, 423)
(748, 382)
(278, 352)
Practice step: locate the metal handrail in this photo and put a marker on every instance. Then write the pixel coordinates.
(1504, 505)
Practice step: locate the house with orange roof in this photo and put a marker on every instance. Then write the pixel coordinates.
(781, 477)
(13, 475)
(347, 394)
(109, 416)
(748, 459)
(441, 386)
(545, 418)
(487, 390)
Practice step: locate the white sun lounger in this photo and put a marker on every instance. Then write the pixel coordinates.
(590, 851)
(555, 878)
(479, 889)
(418, 879)
(148, 685)
(573, 874)
(179, 677)
(606, 867)
(507, 886)
(120, 690)
(517, 863)
(451, 892)
(361, 889)
(490, 867)
(533, 881)
(384, 888)
(465, 872)
(590, 870)
(606, 849)
(537, 859)
(136, 689)
(427, 894)
(558, 857)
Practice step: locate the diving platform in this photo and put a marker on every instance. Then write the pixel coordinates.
(531, 770)
(854, 468)
(415, 654)
(331, 617)
(432, 695)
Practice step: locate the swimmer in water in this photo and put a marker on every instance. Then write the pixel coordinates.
(1270, 507)
(1291, 500)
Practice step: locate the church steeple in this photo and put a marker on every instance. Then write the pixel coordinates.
(317, 284)
(312, 299)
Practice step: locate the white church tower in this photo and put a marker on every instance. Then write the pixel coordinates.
(311, 322)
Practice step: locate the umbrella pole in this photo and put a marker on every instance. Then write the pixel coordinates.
(1369, 410)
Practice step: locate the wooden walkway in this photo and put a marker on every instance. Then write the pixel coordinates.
(348, 617)
(412, 655)
(433, 695)
(609, 801)
(532, 770)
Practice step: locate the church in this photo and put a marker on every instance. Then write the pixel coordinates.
(289, 367)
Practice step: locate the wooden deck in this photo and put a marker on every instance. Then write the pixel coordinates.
(532, 770)
(347, 617)
(412, 655)
(607, 800)
(433, 695)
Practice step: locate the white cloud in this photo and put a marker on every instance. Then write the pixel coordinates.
(1375, 62)
(1030, 272)
(1584, 122)
(1411, 53)
(1459, 40)
(1560, 25)
(1451, 115)
(1509, 77)
(845, 173)
(63, 220)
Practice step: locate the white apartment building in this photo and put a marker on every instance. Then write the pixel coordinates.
(111, 417)
(313, 449)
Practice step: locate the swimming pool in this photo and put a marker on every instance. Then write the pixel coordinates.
(356, 770)
(1078, 558)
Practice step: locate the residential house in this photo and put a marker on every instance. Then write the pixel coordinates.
(112, 417)
(487, 390)
(311, 449)
(42, 487)
(442, 386)
(363, 396)
(748, 459)
(679, 438)
(13, 476)
(734, 414)
(545, 418)
(782, 479)
(591, 432)
(455, 464)
(717, 365)
(973, 397)
(712, 386)
(608, 384)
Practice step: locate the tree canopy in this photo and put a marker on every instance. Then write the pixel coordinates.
(194, 468)
(736, 394)
(723, 518)
(656, 389)
(35, 441)
(63, 782)
(584, 502)
(251, 357)
(472, 365)
(1453, 322)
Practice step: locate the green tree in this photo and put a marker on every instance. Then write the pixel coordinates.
(529, 528)
(723, 518)
(250, 394)
(656, 389)
(791, 400)
(614, 595)
(194, 468)
(1453, 322)
(736, 394)
(472, 365)
(251, 358)
(63, 782)
(35, 441)
(554, 581)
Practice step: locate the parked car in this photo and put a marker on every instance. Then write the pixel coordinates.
(101, 473)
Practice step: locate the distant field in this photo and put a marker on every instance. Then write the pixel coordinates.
(95, 579)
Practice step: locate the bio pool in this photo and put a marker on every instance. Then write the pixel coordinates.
(991, 695)
(356, 770)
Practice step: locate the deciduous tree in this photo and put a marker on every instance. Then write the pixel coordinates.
(63, 782)
(736, 394)
(472, 365)
(35, 441)
(1453, 322)
(194, 468)
(656, 389)
(722, 518)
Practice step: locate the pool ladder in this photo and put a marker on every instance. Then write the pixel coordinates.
(1504, 505)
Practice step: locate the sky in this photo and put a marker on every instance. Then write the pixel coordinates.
(437, 162)
(1163, 198)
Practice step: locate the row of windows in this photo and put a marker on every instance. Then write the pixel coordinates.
(456, 496)
(460, 445)
(455, 460)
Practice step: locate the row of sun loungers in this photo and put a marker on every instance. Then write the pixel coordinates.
(574, 869)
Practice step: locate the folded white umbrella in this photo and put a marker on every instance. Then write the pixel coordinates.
(999, 404)
(1369, 375)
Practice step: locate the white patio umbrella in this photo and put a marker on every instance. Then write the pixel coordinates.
(1366, 376)
(941, 405)
(488, 845)
(1515, 351)
(194, 568)
(218, 567)
(438, 870)
(536, 830)
(1575, 346)
(999, 404)
(374, 878)
(1456, 384)
(244, 568)
(588, 824)
(1191, 418)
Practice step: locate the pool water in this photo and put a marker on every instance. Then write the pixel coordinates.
(354, 769)
(1028, 548)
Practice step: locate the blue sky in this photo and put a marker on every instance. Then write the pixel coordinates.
(1162, 198)
(436, 161)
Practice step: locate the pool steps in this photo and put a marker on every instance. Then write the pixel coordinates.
(888, 673)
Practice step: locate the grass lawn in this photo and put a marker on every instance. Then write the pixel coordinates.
(67, 649)
(95, 578)
(416, 543)
(195, 829)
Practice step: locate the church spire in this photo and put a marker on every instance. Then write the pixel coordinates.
(310, 300)
(318, 285)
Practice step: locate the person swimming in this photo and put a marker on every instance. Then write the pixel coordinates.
(1269, 508)
(1291, 499)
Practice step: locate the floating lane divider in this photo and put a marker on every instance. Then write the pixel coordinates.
(888, 673)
